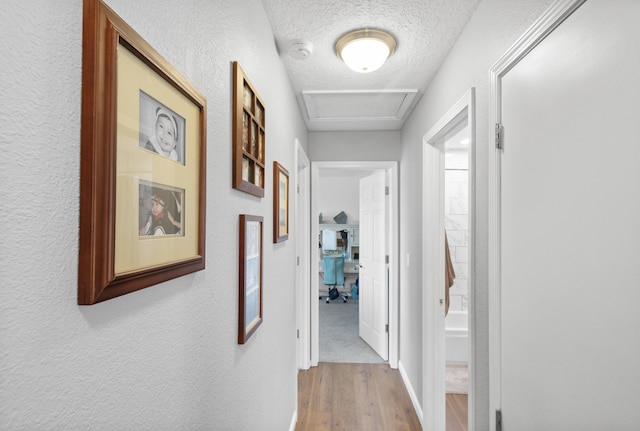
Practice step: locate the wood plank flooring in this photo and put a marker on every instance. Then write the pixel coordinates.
(334, 397)
(457, 412)
(371, 397)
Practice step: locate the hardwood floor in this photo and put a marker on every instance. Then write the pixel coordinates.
(353, 397)
(457, 415)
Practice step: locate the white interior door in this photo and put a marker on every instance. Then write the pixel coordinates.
(373, 291)
(570, 226)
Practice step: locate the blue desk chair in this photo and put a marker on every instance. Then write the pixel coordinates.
(334, 275)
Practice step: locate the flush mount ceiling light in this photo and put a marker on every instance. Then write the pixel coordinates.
(365, 50)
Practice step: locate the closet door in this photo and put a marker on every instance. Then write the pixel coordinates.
(570, 226)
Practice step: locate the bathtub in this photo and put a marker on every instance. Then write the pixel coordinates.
(456, 335)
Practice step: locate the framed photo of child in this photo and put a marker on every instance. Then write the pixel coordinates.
(161, 129)
(160, 210)
(142, 167)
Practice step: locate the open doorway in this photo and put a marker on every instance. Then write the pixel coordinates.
(456, 328)
(448, 217)
(341, 233)
(320, 169)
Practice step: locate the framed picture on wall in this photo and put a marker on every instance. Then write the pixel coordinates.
(142, 164)
(280, 203)
(250, 276)
(248, 126)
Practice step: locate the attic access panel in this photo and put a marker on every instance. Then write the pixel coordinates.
(358, 105)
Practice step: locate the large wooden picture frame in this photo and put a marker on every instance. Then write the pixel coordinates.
(280, 203)
(142, 167)
(248, 135)
(250, 276)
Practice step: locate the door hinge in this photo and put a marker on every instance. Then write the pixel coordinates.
(298, 260)
(498, 420)
(297, 188)
(297, 333)
(386, 327)
(386, 190)
(498, 130)
(386, 259)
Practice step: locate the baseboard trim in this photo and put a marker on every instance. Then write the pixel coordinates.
(412, 393)
(294, 421)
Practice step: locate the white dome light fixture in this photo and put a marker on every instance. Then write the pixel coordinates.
(365, 50)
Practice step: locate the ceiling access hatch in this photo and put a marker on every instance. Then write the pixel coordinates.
(358, 109)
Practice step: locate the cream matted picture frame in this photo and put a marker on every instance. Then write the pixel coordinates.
(143, 163)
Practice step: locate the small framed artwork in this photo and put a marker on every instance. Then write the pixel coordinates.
(248, 135)
(142, 164)
(280, 203)
(250, 277)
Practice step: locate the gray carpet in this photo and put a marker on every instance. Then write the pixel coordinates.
(339, 339)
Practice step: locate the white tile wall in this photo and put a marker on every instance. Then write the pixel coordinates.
(457, 227)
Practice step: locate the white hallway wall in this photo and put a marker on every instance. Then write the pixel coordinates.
(359, 146)
(495, 26)
(166, 357)
(338, 194)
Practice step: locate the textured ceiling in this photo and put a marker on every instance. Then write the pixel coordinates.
(330, 95)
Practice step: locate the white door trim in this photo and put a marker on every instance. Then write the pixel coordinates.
(548, 21)
(302, 229)
(433, 390)
(392, 168)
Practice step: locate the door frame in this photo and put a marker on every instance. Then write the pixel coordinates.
(539, 30)
(433, 389)
(302, 221)
(391, 167)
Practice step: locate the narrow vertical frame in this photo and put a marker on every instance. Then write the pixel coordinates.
(249, 137)
(280, 203)
(250, 276)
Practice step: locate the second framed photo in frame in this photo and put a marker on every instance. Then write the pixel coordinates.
(250, 276)
(280, 203)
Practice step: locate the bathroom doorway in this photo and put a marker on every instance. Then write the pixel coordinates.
(448, 217)
(456, 327)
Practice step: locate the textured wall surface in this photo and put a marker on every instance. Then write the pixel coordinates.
(166, 357)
